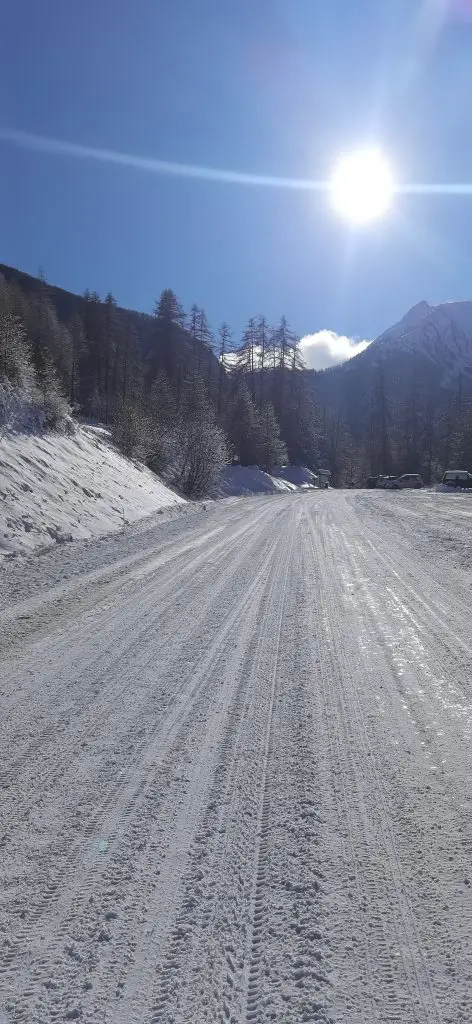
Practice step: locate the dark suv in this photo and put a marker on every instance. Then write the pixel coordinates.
(457, 478)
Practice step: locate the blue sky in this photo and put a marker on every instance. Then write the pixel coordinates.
(273, 87)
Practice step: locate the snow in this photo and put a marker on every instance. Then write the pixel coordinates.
(55, 488)
(443, 333)
(447, 489)
(416, 313)
(298, 475)
(237, 764)
(459, 312)
(236, 481)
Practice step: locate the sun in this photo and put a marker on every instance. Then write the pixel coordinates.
(362, 186)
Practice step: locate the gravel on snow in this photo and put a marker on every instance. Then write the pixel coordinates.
(236, 768)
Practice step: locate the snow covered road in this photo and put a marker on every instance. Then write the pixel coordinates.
(236, 767)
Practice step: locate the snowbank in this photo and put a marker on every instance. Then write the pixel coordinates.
(444, 489)
(298, 475)
(235, 481)
(55, 488)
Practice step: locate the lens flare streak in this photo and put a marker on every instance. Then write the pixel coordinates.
(57, 147)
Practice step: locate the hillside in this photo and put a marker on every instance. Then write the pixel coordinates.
(433, 344)
(441, 334)
(162, 383)
(406, 401)
(165, 386)
(55, 488)
(67, 304)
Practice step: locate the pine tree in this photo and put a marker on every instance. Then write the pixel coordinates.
(272, 450)
(15, 355)
(168, 309)
(247, 358)
(192, 327)
(19, 399)
(169, 326)
(205, 341)
(110, 347)
(244, 431)
(335, 449)
(225, 343)
(262, 346)
(79, 346)
(379, 425)
(162, 400)
(200, 451)
(92, 363)
(130, 382)
(283, 343)
(300, 424)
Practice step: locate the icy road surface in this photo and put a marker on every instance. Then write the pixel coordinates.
(236, 768)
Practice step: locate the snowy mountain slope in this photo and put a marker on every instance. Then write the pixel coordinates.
(431, 346)
(55, 488)
(442, 333)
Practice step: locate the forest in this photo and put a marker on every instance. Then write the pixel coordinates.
(186, 400)
(176, 395)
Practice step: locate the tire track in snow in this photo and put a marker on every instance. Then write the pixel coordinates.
(202, 733)
(258, 910)
(343, 804)
(237, 777)
(437, 907)
(294, 979)
(305, 892)
(199, 679)
(63, 733)
(373, 834)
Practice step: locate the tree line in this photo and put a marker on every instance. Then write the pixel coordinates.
(175, 394)
(185, 399)
(413, 425)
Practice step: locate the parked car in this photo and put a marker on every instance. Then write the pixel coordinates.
(457, 478)
(385, 481)
(372, 481)
(407, 480)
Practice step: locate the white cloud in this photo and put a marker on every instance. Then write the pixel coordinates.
(326, 348)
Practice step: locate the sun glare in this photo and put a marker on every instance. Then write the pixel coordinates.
(362, 186)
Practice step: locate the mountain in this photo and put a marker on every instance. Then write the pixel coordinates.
(142, 325)
(67, 303)
(402, 405)
(405, 403)
(429, 350)
(442, 334)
